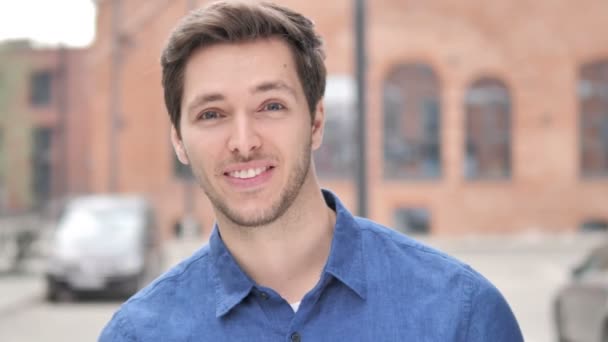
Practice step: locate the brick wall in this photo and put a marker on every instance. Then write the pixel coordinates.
(535, 47)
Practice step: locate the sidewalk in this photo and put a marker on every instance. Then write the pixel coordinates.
(528, 268)
(19, 291)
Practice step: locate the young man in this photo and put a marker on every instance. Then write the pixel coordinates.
(243, 85)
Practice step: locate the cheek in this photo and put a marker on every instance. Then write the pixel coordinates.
(288, 137)
(201, 152)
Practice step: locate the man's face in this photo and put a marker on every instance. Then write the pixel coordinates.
(246, 129)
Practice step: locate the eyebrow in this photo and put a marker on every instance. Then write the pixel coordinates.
(273, 85)
(203, 99)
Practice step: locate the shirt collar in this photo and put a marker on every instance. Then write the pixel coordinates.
(232, 285)
(345, 262)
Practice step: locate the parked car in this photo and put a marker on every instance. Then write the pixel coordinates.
(103, 243)
(581, 307)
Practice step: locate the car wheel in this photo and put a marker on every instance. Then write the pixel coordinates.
(59, 293)
(51, 291)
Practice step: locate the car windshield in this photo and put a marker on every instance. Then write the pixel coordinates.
(107, 228)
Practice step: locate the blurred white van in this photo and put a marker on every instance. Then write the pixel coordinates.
(103, 243)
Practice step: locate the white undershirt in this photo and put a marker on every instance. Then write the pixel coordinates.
(295, 306)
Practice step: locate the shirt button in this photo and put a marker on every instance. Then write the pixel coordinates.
(264, 295)
(295, 337)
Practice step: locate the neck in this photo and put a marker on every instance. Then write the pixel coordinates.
(289, 254)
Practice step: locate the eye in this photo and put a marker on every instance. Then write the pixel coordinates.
(209, 115)
(274, 106)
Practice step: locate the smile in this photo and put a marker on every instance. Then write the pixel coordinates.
(248, 173)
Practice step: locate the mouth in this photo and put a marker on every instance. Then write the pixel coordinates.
(248, 173)
(249, 177)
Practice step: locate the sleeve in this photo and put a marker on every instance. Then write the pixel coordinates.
(118, 329)
(491, 318)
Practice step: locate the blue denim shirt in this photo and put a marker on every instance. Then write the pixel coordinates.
(377, 285)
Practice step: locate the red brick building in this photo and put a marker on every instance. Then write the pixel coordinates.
(43, 125)
(484, 117)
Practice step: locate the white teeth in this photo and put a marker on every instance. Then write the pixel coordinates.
(249, 173)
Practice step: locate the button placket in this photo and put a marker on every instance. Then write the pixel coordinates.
(295, 337)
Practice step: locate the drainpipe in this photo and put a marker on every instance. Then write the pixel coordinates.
(115, 95)
(361, 69)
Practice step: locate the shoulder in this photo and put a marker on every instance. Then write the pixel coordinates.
(180, 276)
(420, 261)
(400, 245)
(485, 313)
(170, 297)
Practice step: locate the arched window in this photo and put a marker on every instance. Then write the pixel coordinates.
(412, 117)
(593, 102)
(488, 130)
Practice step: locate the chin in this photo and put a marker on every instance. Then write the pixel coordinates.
(253, 216)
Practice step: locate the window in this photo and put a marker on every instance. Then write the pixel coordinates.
(412, 220)
(412, 123)
(180, 170)
(594, 225)
(40, 88)
(593, 103)
(41, 164)
(335, 158)
(488, 130)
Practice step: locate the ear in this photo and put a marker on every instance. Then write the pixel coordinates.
(178, 147)
(318, 124)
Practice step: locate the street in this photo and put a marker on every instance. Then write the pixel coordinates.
(528, 269)
(40, 321)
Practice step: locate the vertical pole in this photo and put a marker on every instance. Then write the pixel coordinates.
(115, 95)
(61, 172)
(189, 226)
(361, 68)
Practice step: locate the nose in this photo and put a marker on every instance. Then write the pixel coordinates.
(244, 139)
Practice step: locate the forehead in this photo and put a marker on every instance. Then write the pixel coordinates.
(229, 66)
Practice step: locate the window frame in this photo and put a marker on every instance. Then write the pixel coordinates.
(427, 149)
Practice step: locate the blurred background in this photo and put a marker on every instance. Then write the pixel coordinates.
(486, 135)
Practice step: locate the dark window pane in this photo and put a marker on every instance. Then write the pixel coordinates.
(594, 225)
(41, 164)
(593, 102)
(488, 130)
(335, 158)
(412, 123)
(40, 88)
(412, 220)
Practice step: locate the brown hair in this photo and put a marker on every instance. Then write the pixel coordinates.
(231, 21)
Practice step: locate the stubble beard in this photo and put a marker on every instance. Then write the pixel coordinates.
(267, 215)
